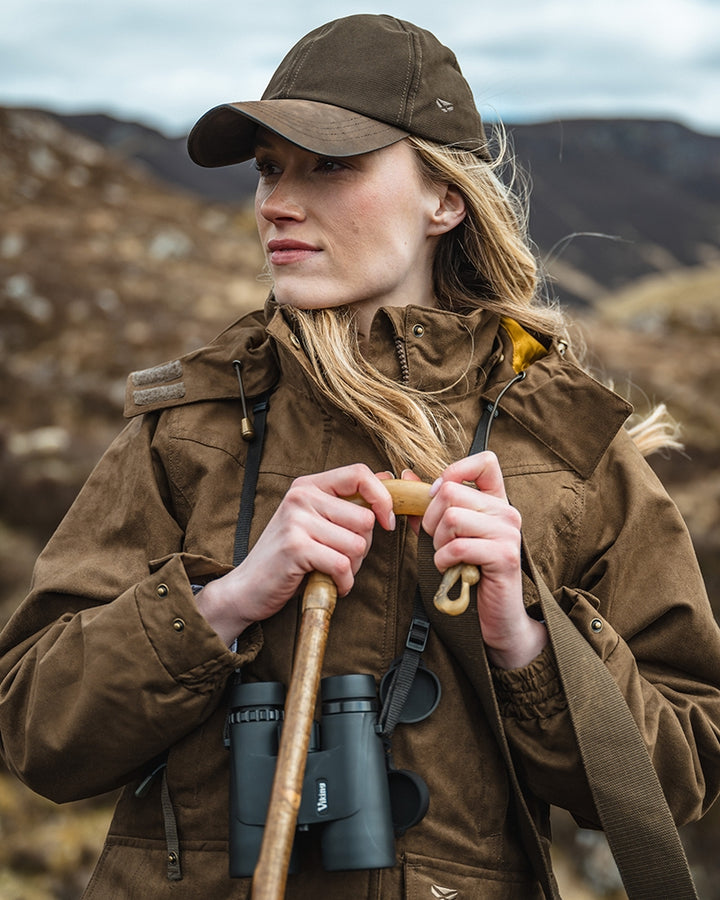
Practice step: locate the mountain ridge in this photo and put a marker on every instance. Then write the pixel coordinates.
(605, 201)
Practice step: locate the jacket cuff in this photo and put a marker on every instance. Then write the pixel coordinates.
(532, 692)
(186, 645)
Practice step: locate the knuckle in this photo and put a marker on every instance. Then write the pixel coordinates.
(342, 570)
(358, 546)
(358, 471)
(298, 493)
(509, 553)
(294, 544)
(366, 519)
(452, 519)
(514, 518)
(446, 492)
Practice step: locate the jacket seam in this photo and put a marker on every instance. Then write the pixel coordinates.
(571, 554)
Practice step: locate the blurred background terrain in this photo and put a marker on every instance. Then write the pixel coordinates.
(116, 253)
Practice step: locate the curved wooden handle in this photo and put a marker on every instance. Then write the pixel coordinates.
(410, 498)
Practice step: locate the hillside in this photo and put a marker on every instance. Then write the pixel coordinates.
(107, 267)
(102, 271)
(613, 200)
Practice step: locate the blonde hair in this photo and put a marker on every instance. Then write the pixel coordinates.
(485, 262)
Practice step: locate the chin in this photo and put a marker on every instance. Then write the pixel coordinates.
(308, 299)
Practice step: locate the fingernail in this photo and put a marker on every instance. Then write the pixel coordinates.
(404, 473)
(393, 521)
(435, 486)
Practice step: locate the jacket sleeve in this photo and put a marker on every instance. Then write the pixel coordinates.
(638, 598)
(107, 663)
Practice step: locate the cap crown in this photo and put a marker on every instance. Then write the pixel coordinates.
(386, 69)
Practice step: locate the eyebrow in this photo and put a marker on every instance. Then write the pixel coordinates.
(264, 140)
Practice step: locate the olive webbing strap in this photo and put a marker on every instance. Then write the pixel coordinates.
(628, 796)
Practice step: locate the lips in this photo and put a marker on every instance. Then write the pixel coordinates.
(283, 252)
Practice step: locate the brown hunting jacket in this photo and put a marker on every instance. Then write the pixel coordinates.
(107, 668)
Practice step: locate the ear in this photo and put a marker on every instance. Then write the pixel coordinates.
(450, 210)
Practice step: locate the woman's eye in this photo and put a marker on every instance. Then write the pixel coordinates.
(327, 165)
(266, 169)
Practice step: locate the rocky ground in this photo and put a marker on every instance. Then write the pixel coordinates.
(104, 270)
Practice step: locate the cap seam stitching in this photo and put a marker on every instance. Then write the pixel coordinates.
(295, 71)
(413, 88)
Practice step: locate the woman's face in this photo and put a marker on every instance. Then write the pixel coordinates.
(357, 231)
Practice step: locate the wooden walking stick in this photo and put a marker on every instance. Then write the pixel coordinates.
(409, 498)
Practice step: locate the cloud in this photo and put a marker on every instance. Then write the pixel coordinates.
(165, 63)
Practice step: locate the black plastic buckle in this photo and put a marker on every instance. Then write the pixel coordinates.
(418, 634)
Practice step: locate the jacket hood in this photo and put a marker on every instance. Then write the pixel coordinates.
(208, 373)
(557, 402)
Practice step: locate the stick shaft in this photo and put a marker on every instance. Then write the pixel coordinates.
(410, 498)
(272, 867)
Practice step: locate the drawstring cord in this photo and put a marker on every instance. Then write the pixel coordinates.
(246, 426)
(490, 413)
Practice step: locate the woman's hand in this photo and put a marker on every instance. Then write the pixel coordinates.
(313, 528)
(471, 521)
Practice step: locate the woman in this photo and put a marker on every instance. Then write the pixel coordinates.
(405, 302)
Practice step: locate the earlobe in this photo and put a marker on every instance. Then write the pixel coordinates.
(450, 211)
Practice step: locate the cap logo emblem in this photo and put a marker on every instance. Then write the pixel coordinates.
(444, 105)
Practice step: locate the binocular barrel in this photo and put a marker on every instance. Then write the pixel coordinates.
(345, 788)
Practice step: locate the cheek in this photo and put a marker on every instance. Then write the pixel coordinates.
(259, 218)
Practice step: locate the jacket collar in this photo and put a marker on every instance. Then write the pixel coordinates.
(563, 407)
(557, 402)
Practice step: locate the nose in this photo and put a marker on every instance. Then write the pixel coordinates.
(280, 199)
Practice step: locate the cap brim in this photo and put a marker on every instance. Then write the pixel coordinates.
(226, 134)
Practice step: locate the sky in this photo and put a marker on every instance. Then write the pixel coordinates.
(165, 62)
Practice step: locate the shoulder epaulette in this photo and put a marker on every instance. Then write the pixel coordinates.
(158, 384)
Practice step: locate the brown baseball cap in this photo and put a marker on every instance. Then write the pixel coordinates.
(354, 85)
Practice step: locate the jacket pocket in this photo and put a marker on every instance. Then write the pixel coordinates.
(137, 870)
(435, 879)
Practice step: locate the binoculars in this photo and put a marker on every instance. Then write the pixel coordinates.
(346, 788)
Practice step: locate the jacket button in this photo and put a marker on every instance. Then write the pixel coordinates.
(596, 625)
(418, 330)
(178, 625)
(295, 341)
(163, 590)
